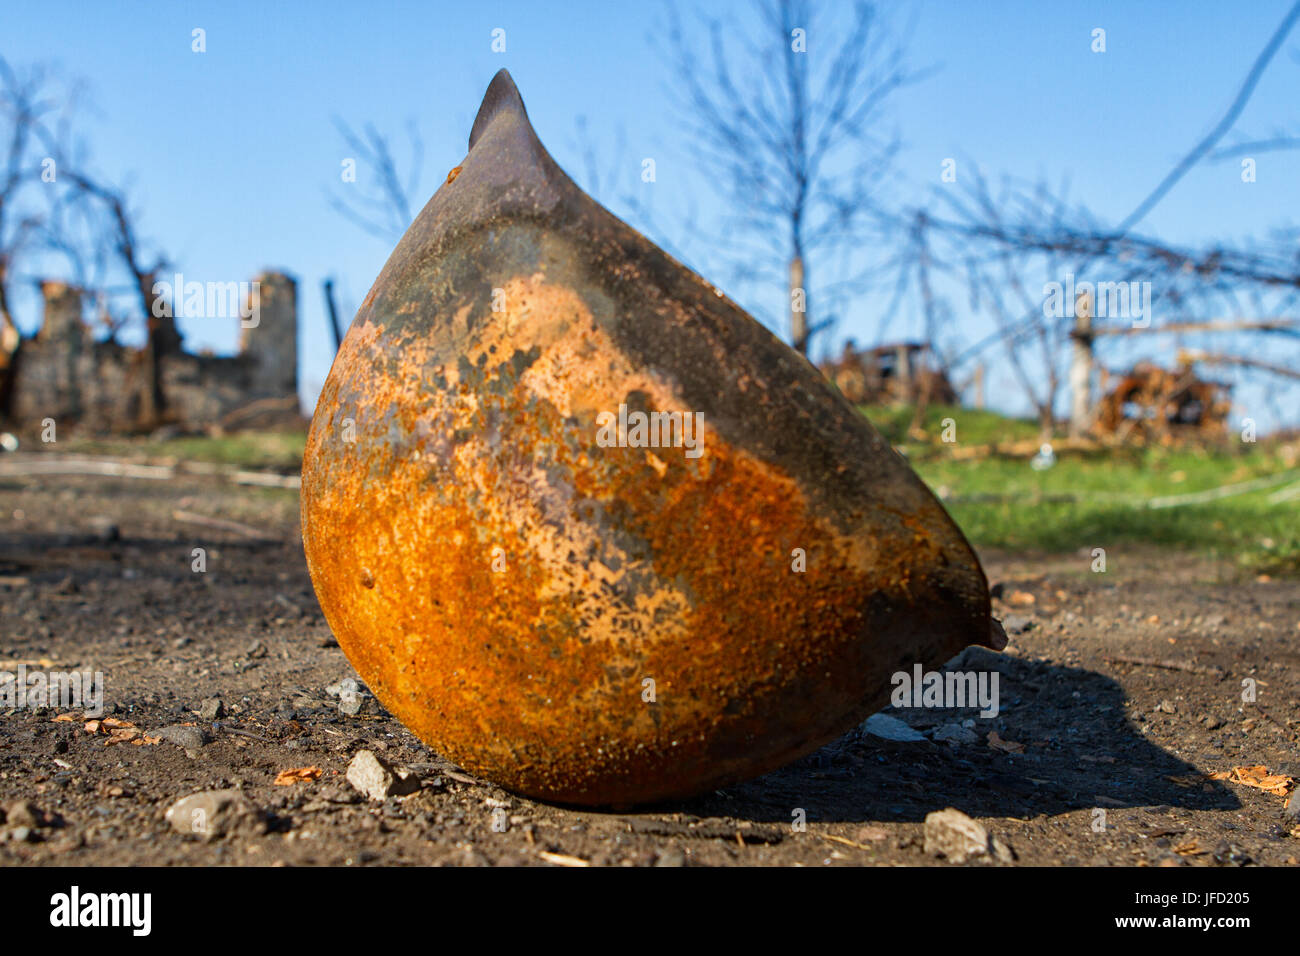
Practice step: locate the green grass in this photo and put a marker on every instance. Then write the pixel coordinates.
(1110, 488)
(273, 450)
(973, 426)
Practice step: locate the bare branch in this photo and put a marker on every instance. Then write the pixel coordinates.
(379, 202)
(1242, 361)
(1224, 124)
(786, 119)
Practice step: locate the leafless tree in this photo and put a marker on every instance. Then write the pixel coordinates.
(789, 124)
(1005, 246)
(1000, 244)
(601, 179)
(91, 223)
(373, 194)
(615, 179)
(120, 232)
(24, 102)
(378, 200)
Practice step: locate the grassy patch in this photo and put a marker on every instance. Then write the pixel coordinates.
(1099, 499)
(974, 426)
(277, 450)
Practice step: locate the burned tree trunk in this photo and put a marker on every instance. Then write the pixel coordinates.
(9, 339)
(163, 340)
(333, 313)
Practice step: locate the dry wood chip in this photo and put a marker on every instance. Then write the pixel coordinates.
(559, 859)
(1006, 746)
(1258, 777)
(287, 778)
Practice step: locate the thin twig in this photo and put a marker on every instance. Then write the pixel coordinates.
(1221, 128)
(222, 524)
(1167, 665)
(243, 733)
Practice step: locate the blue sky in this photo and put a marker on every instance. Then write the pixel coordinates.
(230, 152)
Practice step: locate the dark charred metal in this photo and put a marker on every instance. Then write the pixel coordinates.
(1153, 404)
(586, 620)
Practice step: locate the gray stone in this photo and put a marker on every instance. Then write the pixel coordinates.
(104, 528)
(1004, 852)
(377, 779)
(955, 734)
(891, 728)
(214, 814)
(1017, 623)
(333, 793)
(670, 856)
(348, 685)
(23, 813)
(212, 709)
(954, 836)
(191, 738)
(352, 694)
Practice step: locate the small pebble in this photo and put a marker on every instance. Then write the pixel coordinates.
(377, 779)
(190, 738)
(954, 836)
(891, 728)
(215, 813)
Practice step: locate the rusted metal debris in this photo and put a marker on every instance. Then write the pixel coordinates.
(571, 615)
(900, 373)
(1155, 404)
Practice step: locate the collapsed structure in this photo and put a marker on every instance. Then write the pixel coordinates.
(64, 373)
(1150, 403)
(899, 373)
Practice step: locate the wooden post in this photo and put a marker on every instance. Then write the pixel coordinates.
(1081, 367)
(903, 373)
(979, 385)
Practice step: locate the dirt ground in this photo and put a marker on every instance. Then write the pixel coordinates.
(1106, 761)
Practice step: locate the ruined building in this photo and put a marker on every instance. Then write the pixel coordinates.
(1149, 403)
(63, 373)
(904, 372)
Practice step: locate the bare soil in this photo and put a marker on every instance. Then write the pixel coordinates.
(1108, 761)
